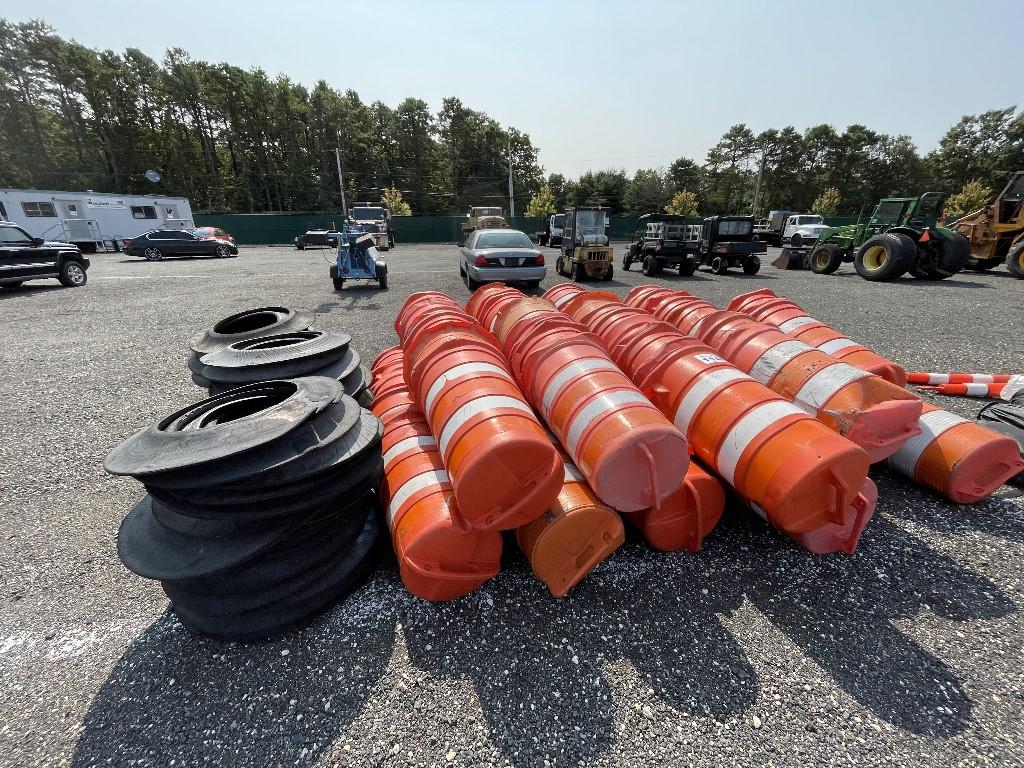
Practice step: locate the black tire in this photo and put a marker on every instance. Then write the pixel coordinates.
(650, 266)
(153, 254)
(471, 283)
(751, 266)
(249, 324)
(300, 244)
(609, 274)
(577, 274)
(73, 274)
(223, 252)
(382, 277)
(560, 265)
(687, 267)
(796, 240)
(719, 266)
(1015, 260)
(950, 256)
(885, 257)
(339, 283)
(825, 259)
(626, 262)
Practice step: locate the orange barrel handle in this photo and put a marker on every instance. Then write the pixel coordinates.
(960, 459)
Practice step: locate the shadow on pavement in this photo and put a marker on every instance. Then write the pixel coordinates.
(549, 674)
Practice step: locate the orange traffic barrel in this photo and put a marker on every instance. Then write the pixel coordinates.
(960, 459)
(630, 454)
(503, 468)
(803, 475)
(684, 311)
(489, 300)
(388, 357)
(646, 297)
(684, 518)
(843, 536)
(569, 540)
(791, 319)
(437, 558)
(866, 409)
(561, 293)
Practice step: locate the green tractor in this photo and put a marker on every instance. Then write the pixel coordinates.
(901, 236)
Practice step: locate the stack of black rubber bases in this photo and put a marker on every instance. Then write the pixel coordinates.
(261, 509)
(274, 343)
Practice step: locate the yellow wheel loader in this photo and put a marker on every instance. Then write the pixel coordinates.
(996, 232)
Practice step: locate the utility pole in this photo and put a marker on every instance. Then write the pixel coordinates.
(511, 199)
(757, 189)
(341, 179)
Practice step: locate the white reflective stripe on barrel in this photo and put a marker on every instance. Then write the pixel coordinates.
(705, 386)
(471, 409)
(976, 390)
(932, 424)
(833, 346)
(818, 389)
(457, 372)
(413, 485)
(597, 407)
(402, 446)
(571, 371)
(566, 297)
(746, 429)
(494, 322)
(772, 359)
(695, 328)
(796, 322)
(572, 474)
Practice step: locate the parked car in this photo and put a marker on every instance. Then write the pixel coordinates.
(213, 233)
(506, 255)
(23, 257)
(159, 243)
(316, 237)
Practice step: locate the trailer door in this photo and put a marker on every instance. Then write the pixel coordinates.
(77, 228)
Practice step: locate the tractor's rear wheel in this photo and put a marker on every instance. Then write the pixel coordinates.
(1015, 260)
(885, 257)
(825, 259)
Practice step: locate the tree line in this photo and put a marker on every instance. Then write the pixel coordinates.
(230, 139)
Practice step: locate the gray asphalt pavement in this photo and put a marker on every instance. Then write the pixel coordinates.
(752, 652)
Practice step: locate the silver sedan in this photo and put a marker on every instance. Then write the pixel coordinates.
(500, 255)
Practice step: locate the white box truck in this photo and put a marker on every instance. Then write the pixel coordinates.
(92, 220)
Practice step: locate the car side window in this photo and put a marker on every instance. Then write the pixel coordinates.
(471, 243)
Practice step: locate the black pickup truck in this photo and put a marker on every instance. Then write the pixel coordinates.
(23, 257)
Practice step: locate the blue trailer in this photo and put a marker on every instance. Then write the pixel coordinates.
(358, 258)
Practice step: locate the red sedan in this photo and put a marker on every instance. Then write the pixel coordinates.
(212, 233)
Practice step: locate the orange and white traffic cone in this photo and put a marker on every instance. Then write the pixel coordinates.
(503, 468)
(791, 319)
(569, 540)
(960, 459)
(437, 558)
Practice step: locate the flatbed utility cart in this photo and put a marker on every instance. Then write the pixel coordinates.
(729, 241)
(664, 240)
(585, 250)
(358, 258)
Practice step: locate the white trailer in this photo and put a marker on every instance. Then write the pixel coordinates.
(92, 220)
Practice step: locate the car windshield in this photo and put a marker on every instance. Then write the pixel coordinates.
(735, 227)
(503, 240)
(560, 220)
(367, 214)
(487, 211)
(800, 220)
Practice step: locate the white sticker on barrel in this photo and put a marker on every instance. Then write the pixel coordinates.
(419, 441)
(796, 322)
(748, 428)
(573, 370)
(820, 388)
(457, 372)
(473, 408)
(773, 358)
(705, 386)
(710, 359)
(835, 345)
(572, 474)
(599, 406)
(413, 485)
(932, 424)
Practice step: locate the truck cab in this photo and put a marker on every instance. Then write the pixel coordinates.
(551, 231)
(375, 220)
(802, 229)
(729, 241)
(585, 249)
(483, 217)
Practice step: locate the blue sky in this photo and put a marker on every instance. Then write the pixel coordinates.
(602, 84)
